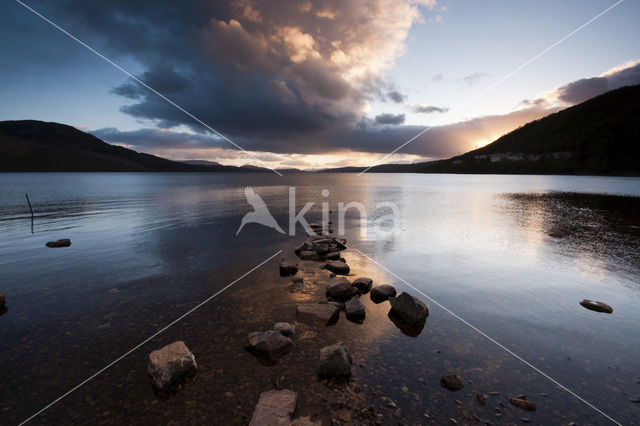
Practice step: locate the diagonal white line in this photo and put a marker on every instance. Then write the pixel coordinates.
(147, 86)
(494, 85)
(146, 340)
(473, 327)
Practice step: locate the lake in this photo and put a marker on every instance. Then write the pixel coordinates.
(501, 261)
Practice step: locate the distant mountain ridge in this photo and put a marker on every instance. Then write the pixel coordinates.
(38, 146)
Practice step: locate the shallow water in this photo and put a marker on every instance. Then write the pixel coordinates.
(474, 248)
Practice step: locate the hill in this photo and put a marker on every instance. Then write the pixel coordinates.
(599, 136)
(37, 146)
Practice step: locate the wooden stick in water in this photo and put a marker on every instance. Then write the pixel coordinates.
(28, 201)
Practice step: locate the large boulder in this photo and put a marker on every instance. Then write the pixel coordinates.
(409, 308)
(288, 330)
(65, 242)
(363, 284)
(593, 305)
(335, 361)
(334, 255)
(270, 344)
(338, 267)
(170, 363)
(355, 309)
(522, 402)
(341, 289)
(382, 293)
(275, 407)
(317, 313)
(287, 268)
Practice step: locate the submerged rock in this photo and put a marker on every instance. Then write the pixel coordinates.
(287, 268)
(522, 402)
(270, 344)
(451, 382)
(309, 255)
(275, 407)
(170, 363)
(3, 300)
(65, 242)
(355, 309)
(335, 361)
(338, 267)
(597, 306)
(340, 289)
(363, 284)
(288, 330)
(317, 313)
(409, 308)
(382, 293)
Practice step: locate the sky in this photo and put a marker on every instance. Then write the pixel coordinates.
(310, 84)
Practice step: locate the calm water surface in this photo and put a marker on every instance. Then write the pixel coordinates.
(476, 246)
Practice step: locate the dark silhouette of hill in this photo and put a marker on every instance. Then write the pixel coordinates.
(599, 136)
(37, 146)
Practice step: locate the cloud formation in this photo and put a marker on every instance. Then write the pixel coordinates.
(427, 109)
(390, 119)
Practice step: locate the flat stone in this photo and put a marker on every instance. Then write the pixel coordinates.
(335, 361)
(170, 363)
(288, 268)
(340, 289)
(409, 308)
(382, 293)
(593, 305)
(317, 313)
(355, 310)
(275, 407)
(65, 242)
(271, 344)
(451, 382)
(288, 330)
(338, 267)
(363, 284)
(309, 255)
(334, 255)
(523, 403)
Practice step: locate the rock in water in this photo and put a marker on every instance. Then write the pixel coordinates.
(309, 255)
(275, 407)
(335, 361)
(317, 313)
(288, 268)
(451, 382)
(363, 284)
(340, 289)
(597, 306)
(410, 309)
(288, 330)
(3, 300)
(338, 267)
(382, 293)
(522, 402)
(170, 363)
(65, 242)
(270, 344)
(334, 255)
(355, 309)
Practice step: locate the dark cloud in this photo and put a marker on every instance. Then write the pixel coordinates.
(396, 96)
(270, 74)
(144, 139)
(427, 109)
(586, 88)
(390, 119)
